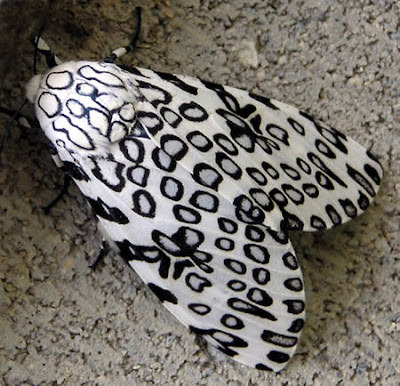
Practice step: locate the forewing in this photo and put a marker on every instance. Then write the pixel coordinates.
(238, 285)
(298, 172)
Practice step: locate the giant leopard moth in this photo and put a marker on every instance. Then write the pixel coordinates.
(198, 185)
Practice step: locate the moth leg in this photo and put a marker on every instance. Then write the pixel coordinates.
(117, 53)
(22, 120)
(104, 250)
(204, 347)
(107, 245)
(66, 184)
(43, 48)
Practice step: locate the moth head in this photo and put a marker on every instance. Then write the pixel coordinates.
(84, 107)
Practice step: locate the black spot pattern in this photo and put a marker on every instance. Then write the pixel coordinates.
(259, 296)
(278, 339)
(174, 146)
(204, 201)
(372, 173)
(278, 197)
(207, 176)
(225, 340)
(159, 95)
(163, 294)
(107, 212)
(115, 180)
(265, 101)
(293, 284)
(348, 207)
(186, 214)
(138, 175)
(261, 276)
(291, 172)
(251, 309)
(303, 165)
(272, 172)
(236, 285)
(150, 121)
(59, 80)
(171, 188)
(290, 261)
(261, 366)
(228, 166)
(333, 215)
(226, 144)
(225, 244)
(360, 179)
(311, 190)
(171, 117)
(293, 194)
(203, 260)
(296, 126)
(278, 356)
(143, 203)
(324, 149)
(317, 222)
(180, 267)
(297, 325)
(257, 176)
(363, 201)
(163, 161)
(226, 225)
(150, 255)
(184, 242)
(235, 266)
(133, 150)
(247, 212)
(193, 112)
(173, 79)
(294, 306)
(199, 308)
(232, 321)
(196, 282)
(199, 141)
(278, 133)
(256, 253)
(254, 233)
(75, 171)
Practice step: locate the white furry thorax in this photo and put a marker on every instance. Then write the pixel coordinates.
(84, 107)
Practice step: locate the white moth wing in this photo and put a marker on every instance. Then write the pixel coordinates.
(195, 182)
(235, 282)
(313, 174)
(237, 285)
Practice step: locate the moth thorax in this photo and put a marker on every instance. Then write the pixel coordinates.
(84, 106)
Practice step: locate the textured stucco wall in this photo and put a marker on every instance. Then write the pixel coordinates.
(62, 323)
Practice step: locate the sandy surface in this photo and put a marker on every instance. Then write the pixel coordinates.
(62, 323)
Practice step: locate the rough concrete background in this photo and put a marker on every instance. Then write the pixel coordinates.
(62, 323)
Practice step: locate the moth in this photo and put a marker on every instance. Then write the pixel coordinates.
(198, 184)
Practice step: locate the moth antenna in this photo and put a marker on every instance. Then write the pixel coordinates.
(52, 60)
(117, 53)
